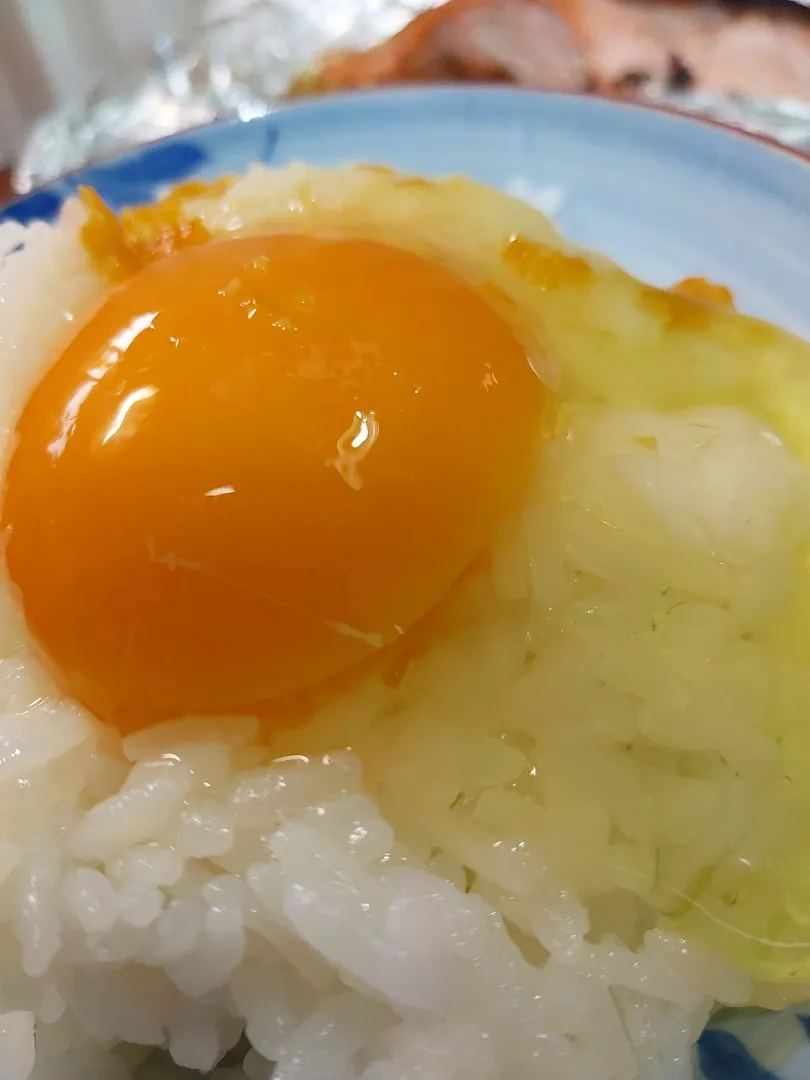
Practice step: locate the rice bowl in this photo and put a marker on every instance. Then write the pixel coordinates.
(520, 863)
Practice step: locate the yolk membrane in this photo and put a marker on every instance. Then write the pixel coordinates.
(260, 461)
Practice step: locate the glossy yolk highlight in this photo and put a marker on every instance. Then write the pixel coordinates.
(260, 461)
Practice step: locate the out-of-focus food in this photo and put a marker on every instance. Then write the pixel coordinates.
(605, 46)
(697, 56)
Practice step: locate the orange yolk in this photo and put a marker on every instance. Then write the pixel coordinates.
(260, 461)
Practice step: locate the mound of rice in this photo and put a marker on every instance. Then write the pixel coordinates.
(426, 904)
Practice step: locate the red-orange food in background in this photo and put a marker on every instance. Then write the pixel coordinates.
(260, 461)
(753, 49)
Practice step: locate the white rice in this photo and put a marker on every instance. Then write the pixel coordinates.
(412, 920)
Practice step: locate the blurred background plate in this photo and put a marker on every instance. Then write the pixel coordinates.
(664, 195)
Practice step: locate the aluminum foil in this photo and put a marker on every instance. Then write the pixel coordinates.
(788, 122)
(242, 58)
(238, 63)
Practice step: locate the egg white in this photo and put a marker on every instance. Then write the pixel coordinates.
(599, 733)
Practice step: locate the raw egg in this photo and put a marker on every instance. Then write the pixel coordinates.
(258, 462)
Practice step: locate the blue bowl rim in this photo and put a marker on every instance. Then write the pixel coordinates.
(393, 93)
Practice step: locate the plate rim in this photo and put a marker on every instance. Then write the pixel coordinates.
(334, 104)
(365, 97)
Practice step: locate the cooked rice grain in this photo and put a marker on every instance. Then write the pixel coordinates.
(470, 909)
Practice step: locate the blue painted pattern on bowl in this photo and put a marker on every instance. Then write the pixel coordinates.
(664, 195)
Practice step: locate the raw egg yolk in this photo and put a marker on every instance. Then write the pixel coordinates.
(259, 461)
